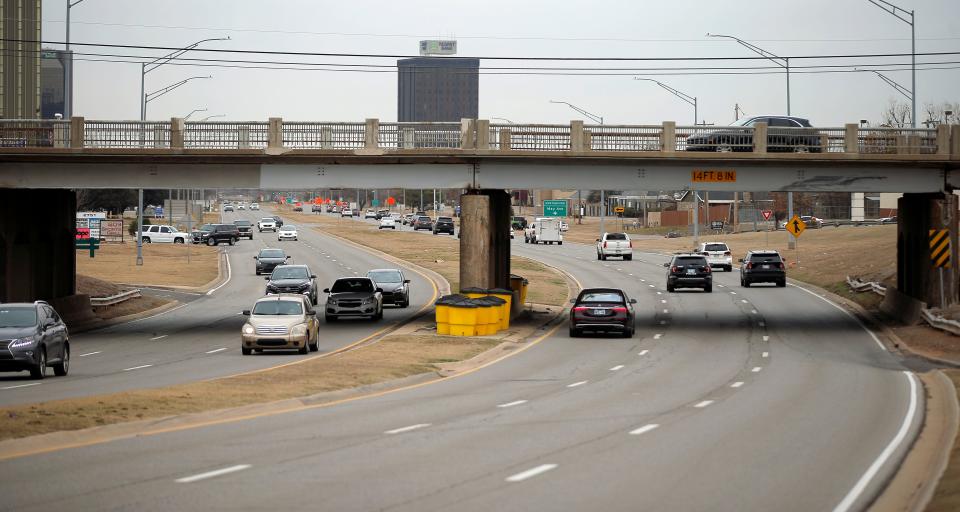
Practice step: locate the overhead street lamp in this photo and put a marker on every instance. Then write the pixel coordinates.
(150, 96)
(683, 96)
(765, 54)
(194, 111)
(68, 70)
(593, 117)
(211, 117)
(146, 67)
(597, 119)
(501, 119)
(901, 15)
(891, 82)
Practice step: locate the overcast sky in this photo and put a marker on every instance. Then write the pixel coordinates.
(555, 28)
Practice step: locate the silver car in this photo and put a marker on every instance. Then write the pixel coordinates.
(354, 296)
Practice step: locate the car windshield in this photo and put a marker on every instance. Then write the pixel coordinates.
(605, 297)
(385, 276)
(686, 261)
(278, 307)
(18, 317)
(243, 223)
(272, 253)
(742, 122)
(352, 285)
(444, 219)
(716, 247)
(266, 219)
(206, 227)
(289, 227)
(289, 273)
(616, 236)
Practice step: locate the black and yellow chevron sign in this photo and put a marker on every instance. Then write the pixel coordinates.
(940, 247)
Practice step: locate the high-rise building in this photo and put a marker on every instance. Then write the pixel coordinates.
(52, 64)
(20, 59)
(437, 89)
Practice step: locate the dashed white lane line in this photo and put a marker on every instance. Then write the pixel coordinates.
(663, 301)
(644, 429)
(766, 338)
(651, 286)
(766, 354)
(743, 301)
(756, 369)
(721, 286)
(657, 336)
(629, 274)
(736, 384)
(23, 385)
(530, 473)
(703, 404)
(576, 384)
(90, 354)
(665, 311)
(619, 270)
(159, 337)
(137, 367)
(643, 352)
(754, 311)
(659, 293)
(643, 280)
(407, 429)
(616, 368)
(211, 474)
(511, 404)
(733, 293)
(214, 351)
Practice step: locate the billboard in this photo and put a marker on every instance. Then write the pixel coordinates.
(111, 230)
(438, 47)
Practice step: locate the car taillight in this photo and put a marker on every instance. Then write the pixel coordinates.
(604, 245)
(580, 309)
(674, 269)
(707, 269)
(631, 244)
(619, 309)
(749, 264)
(727, 253)
(780, 265)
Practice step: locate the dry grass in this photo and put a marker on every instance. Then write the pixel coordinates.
(393, 357)
(96, 287)
(163, 264)
(947, 496)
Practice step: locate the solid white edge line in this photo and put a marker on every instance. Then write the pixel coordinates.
(575, 384)
(511, 404)
(644, 429)
(89, 354)
(736, 384)
(643, 352)
(616, 368)
(229, 274)
(756, 369)
(211, 474)
(159, 337)
(861, 484)
(137, 367)
(657, 336)
(530, 473)
(214, 351)
(860, 323)
(703, 404)
(23, 385)
(407, 429)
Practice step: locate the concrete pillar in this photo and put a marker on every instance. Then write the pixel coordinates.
(954, 141)
(576, 136)
(176, 132)
(326, 137)
(275, 133)
(587, 140)
(485, 239)
(77, 134)
(917, 214)
(371, 133)
(760, 138)
(668, 137)
(505, 139)
(943, 139)
(851, 143)
(243, 137)
(483, 134)
(857, 206)
(467, 134)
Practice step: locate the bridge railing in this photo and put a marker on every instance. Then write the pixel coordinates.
(471, 134)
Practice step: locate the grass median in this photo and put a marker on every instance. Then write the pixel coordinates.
(179, 265)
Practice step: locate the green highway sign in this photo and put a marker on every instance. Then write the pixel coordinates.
(555, 208)
(376, 202)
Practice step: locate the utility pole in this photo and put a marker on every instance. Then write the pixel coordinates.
(140, 227)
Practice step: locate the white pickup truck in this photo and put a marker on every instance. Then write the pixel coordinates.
(543, 229)
(266, 223)
(615, 244)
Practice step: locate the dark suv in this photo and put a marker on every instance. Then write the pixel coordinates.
(443, 225)
(245, 227)
(293, 279)
(762, 267)
(33, 337)
(784, 134)
(215, 234)
(268, 259)
(422, 222)
(278, 220)
(689, 271)
(518, 223)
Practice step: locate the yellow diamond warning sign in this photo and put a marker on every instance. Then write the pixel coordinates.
(796, 226)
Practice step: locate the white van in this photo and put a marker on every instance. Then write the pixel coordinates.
(543, 229)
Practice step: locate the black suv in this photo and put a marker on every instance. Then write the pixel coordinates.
(215, 234)
(422, 222)
(278, 220)
(689, 271)
(443, 225)
(784, 134)
(518, 223)
(245, 227)
(762, 267)
(292, 279)
(33, 337)
(268, 259)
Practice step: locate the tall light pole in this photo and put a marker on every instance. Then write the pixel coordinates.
(901, 15)
(597, 119)
(767, 55)
(147, 67)
(68, 70)
(150, 96)
(683, 96)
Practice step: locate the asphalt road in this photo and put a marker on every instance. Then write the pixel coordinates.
(201, 338)
(742, 399)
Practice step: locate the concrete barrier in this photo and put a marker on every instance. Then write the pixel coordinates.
(74, 309)
(902, 307)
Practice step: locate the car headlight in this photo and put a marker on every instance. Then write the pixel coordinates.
(304, 287)
(22, 342)
(368, 301)
(332, 302)
(298, 330)
(248, 329)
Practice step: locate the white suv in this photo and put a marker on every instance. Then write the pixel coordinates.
(370, 214)
(346, 212)
(163, 234)
(267, 223)
(718, 255)
(254, 206)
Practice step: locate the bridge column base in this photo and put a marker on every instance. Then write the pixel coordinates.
(917, 277)
(485, 239)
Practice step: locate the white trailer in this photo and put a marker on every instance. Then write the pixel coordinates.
(544, 229)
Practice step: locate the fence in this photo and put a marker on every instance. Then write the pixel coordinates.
(225, 135)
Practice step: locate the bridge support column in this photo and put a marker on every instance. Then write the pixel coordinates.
(917, 277)
(37, 254)
(485, 239)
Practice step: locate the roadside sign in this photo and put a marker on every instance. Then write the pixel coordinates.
(716, 225)
(111, 230)
(376, 202)
(713, 176)
(796, 226)
(766, 214)
(391, 201)
(555, 208)
(618, 209)
(940, 248)
(158, 212)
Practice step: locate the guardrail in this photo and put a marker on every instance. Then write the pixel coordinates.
(115, 299)
(473, 134)
(938, 322)
(866, 286)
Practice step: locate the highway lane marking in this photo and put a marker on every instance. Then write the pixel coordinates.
(754, 311)
(511, 404)
(736, 384)
(766, 354)
(743, 301)
(159, 337)
(214, 351)
(643, 280)
(211, 474)
(89, 354)
(229, 274)
(644, 429)
(665, 311)
(407, 429)
(861, 484)
(756, 369)
(703, 404)
(651, 286)
(766, 338)
(530, 473)
(733, 293)
(137, 367)
(631, 275)
(616, 368)
(762, 323)
(643, 352)
(575, 384)
(860, 323)
(663, 301)
(659, 293)
(23, 385)
(657, 336)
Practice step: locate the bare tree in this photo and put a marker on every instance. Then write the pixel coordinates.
(936, 114)
(896, 115)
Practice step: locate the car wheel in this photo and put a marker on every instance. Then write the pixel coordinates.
(724, 148)
(258, 272)
(670, 288)
(744, 283)
(603, 257)
(60, 369)
(729, 268)
(598, 256)
(627, 257)
(574, 333)
(232, 241)
(211, 242)
(782, 283)
(330, 318)
(145, 239)
(315, 346)
(627, 333)
(304, 349)
(40, 370)
(178, 240)
(245, 351)
(708, 289)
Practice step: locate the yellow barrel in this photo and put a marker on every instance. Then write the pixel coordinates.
(488, 319)
(523, 291)
(463, 319)
(473, 293)
(463, 330)
(507, 297)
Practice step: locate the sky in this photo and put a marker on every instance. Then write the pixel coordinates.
(542, 28)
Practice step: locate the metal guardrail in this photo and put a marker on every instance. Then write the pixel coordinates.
(33, 133)
(938, 322)
(866, 286)
(115, 299)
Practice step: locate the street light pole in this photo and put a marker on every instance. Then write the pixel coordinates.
(692, 100)
(150, 96)
(68, 69)
(593, 117)
(194, 111)
(146, 67)
(901, 14)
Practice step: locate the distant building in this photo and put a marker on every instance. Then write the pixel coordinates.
(438, 89)
(52, 65)
(20, 59)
